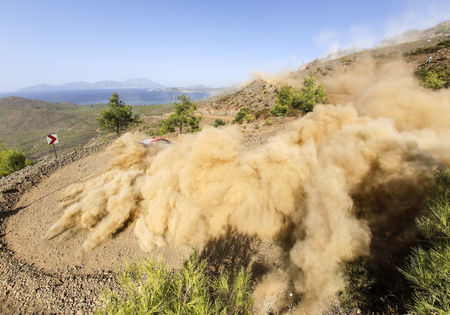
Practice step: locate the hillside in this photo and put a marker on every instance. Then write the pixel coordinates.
(261, 93)
(24, 123)
(328, 187)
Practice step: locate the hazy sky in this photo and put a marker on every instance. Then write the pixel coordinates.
(181, 43)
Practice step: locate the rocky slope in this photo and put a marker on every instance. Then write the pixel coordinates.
(29, 286)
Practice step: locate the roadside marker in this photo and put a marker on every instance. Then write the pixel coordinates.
(52, 139)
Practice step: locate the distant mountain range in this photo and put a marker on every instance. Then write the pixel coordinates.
(133, 92)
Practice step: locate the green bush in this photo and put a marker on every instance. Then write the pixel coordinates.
(149, 287)
(303, 100)
(269, 122)
(11, 161)
(265, 113)
(183, 118)
(433, 81)
(429, 265)
(425, 281)
(311, 95)
(280, 109)
(244, 115)
(219, 122)
(434, 77)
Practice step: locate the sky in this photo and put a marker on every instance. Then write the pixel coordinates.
(184, 43)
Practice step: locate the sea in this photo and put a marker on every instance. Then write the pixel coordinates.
(101, 96)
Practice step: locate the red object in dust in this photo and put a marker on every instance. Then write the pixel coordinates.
(155, 140)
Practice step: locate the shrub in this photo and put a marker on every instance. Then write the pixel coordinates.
(429, 267)
(303, 100)
(433, 81)
(11, 161)
(312, 94)
(434, 77)
(219, 122)
(244, 115)
(265, 113)
(280, 109)
(183, 118)
(149, 287)
(269, 122)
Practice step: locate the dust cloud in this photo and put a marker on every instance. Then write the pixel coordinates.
(341, 176)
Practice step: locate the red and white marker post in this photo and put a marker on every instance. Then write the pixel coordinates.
(52, 139)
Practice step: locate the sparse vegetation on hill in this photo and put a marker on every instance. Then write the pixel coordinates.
(118, 117)
(244, 115)
(304, 100)
(430, 49)
(182, 119)
(435, 77)
(149, 287)
(24, 123)
(11, 160)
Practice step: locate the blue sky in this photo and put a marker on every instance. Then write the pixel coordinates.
(182, 43)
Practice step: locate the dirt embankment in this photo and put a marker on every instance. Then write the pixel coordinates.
(48, 276)
(26, 287)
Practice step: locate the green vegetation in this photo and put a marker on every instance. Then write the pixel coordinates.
(356, 294)
(429, 265)
(149, 287)
(219, 122)
(24, 123)
(431, 49)
(269, 122)
(280, 109)
(304, 100)
(424, 284)
(11, 160)
(435, 77)
(118, 117)
(244, 115)
(265, 113)
(183, 118)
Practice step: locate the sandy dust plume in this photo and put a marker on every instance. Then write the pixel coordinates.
(317, 188)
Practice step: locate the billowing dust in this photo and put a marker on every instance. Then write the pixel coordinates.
(321, 189)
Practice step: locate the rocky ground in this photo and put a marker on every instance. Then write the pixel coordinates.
(54, 276)
(40, 276)
(25, 288)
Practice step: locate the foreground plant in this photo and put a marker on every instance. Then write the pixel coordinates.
(429, 265)
(149, 287)
(11, 160)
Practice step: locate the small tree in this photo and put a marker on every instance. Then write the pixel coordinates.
(313, 93)
(304, 100)
(118, 117)
(182, 118)
(11, 160)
